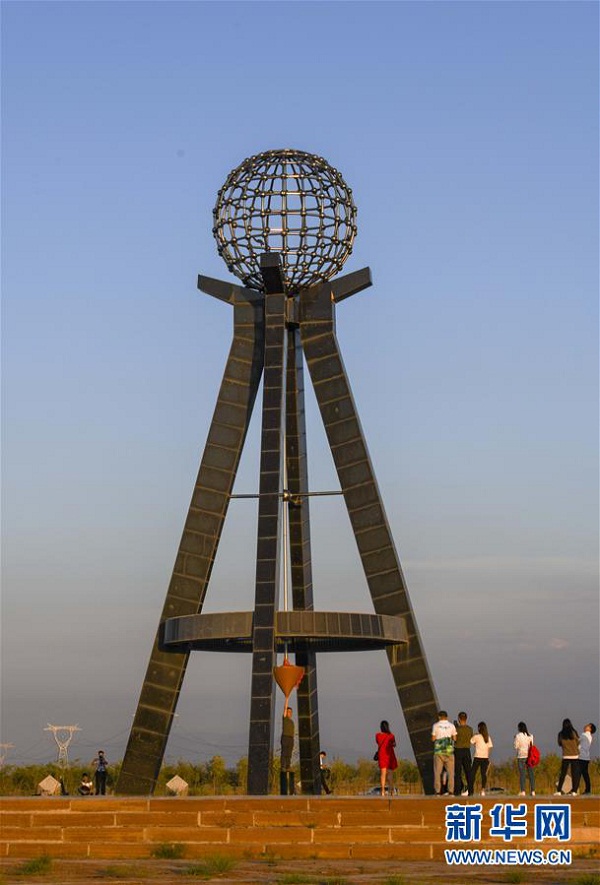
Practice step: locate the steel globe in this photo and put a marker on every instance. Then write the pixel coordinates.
(290, 202)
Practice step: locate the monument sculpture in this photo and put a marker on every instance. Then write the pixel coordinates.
(284, 223)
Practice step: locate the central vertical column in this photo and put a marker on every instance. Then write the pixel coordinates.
(301, 561)
(262, 702)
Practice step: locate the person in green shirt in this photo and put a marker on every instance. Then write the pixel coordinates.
(462, 756)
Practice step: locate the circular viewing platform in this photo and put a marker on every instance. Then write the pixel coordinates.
(298, 630)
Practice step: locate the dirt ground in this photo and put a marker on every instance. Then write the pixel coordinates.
(280, 872)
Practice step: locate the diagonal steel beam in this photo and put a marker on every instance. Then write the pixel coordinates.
(200, 539)
(369, 523)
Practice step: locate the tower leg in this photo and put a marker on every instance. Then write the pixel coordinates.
(301, 569)
(375, 543)
(262, 703)
(198, 546)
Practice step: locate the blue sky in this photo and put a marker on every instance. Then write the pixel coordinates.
(468, 132)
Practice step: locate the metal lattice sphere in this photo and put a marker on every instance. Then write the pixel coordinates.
(289, 202)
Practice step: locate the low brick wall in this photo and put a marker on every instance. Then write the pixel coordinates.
(410, 828)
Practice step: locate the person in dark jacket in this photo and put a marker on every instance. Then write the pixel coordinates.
(568, 741)
(100, 766)
(325, 773)
(462, 756)
(287, 739)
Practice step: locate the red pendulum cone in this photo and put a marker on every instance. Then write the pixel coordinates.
(288, 677)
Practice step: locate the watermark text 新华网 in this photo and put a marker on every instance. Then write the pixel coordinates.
(508, 822)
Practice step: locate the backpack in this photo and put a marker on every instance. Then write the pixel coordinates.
(533, 756)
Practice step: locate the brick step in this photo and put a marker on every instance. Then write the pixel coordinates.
(289, 827)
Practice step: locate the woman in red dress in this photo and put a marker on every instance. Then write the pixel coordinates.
(386, 758)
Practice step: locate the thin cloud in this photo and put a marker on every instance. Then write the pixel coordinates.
(497, 563)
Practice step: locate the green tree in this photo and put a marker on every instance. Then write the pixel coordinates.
(217, 775)
(408, 778)
(241, 774)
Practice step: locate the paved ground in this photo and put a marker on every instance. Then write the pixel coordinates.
(279, 872)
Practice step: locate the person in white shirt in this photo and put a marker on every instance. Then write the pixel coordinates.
(443, 735)
(86, 787)
(523, 741)
(581, 770)
(481, 761)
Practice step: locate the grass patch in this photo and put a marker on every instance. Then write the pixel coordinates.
(168, 851)
(337, 880)
(515, 876)
(295, 879)
(590, 853)
(37, 866)
(396, 880)
(125, 871)
(269, 858)
(212, 866)
(586, 879)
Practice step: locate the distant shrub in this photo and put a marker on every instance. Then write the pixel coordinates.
(586, 879)
(336, 880)
(295, 879)
(215, 778)
(124, 871)
(214, 865)
(37, 866)
(168, 851)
